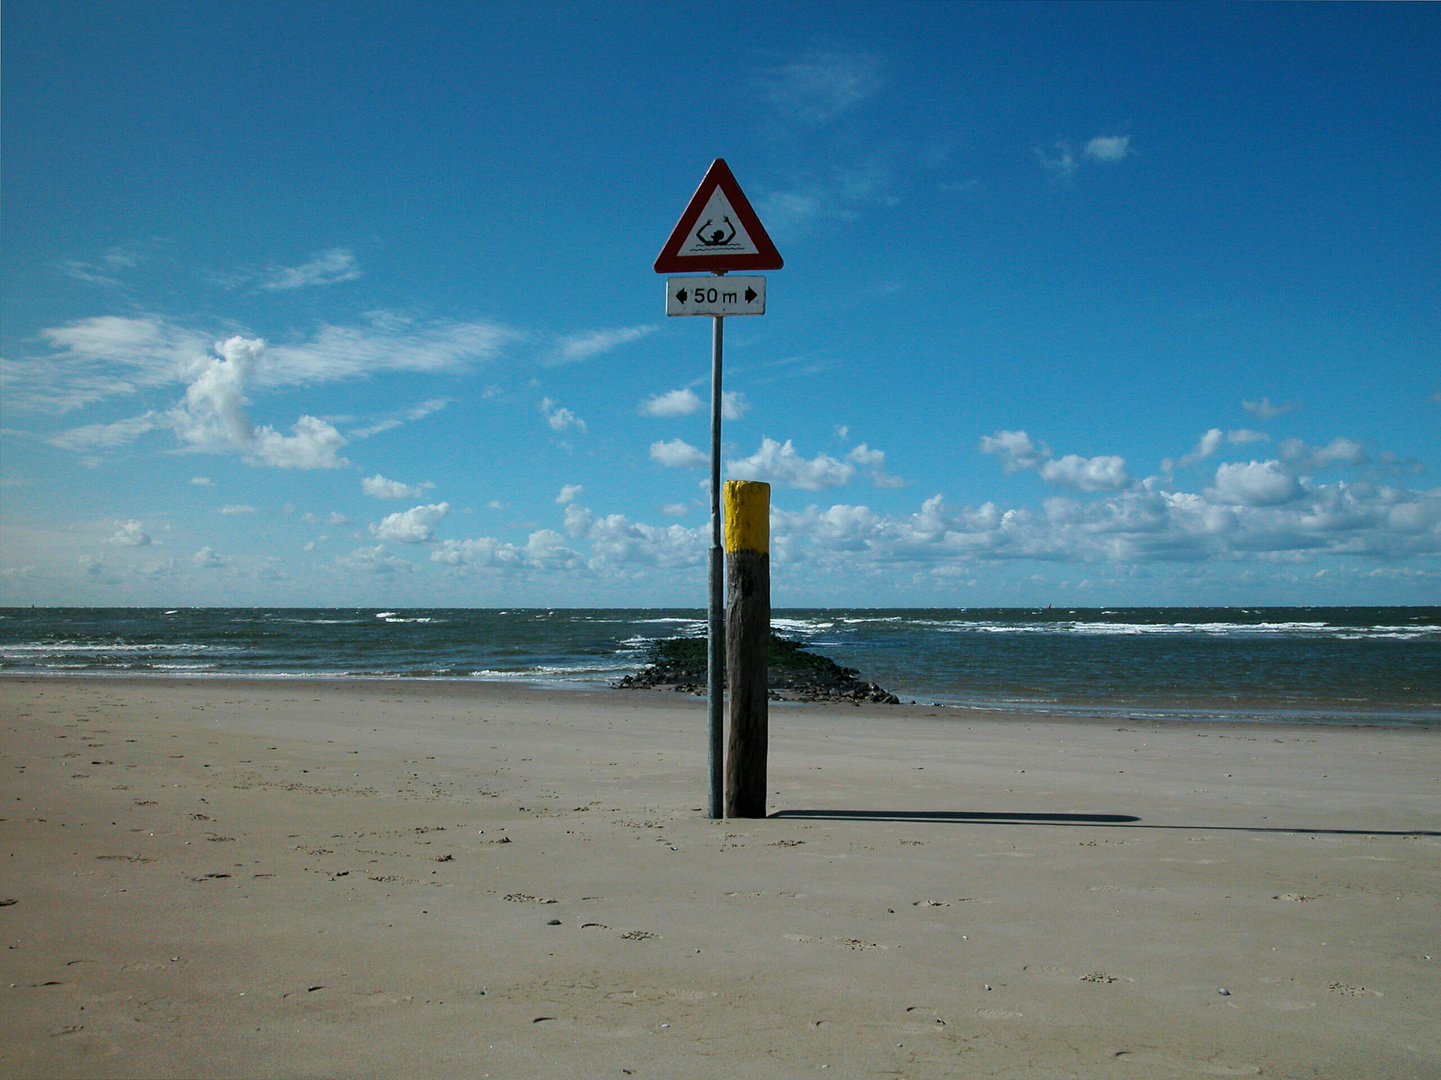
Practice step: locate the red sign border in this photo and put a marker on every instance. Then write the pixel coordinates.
(765, 257)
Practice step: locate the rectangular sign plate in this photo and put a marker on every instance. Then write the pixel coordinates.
(725, 295)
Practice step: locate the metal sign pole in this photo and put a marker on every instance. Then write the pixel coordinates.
(715, 637)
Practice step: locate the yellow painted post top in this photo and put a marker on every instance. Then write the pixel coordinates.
(748, 516)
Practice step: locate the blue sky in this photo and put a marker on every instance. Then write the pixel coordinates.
(352, 303)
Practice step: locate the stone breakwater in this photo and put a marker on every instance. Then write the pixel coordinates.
(792, 673)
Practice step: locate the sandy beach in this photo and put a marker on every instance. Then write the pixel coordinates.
(384, 879)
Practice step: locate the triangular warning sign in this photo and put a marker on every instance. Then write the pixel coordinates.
(718, 231)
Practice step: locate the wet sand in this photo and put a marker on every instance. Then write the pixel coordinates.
(320, 879)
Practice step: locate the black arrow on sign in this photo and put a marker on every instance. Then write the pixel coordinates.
(750, 294)
(681, 296)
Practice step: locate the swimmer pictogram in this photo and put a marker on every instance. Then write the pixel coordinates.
(719, 237)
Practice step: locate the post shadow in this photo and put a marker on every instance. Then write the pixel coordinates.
(1123, 821)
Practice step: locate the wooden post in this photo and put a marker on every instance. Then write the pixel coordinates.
(748, 626)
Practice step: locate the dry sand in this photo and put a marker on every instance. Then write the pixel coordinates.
(322, 879)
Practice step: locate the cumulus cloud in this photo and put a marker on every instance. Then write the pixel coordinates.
(685, 401)
(207, 559)
(483, 551)
(874, 462)
(411, 526)
(374, 560)
(378, 487)
(1017, 452)
(678, 454)
(130, 534)
(558, 418)
(616, 541)
(1255, 483)
(1339, 451)
(1062, 161)
(1102, 473)
(568, 494)
(779, 463)
(329, 268)
(681, 402)
(1109, 148)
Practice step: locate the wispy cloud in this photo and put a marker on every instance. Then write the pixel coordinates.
(1264, 410)
(816, 87)
(329, 268)
(108, 356)
(573, 348)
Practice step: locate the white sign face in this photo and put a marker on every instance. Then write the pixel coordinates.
(712, 295)
(719, 231)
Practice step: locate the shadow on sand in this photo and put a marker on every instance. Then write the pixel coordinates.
(1126, 821)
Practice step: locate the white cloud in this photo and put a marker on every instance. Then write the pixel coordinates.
(1017, 451)
(1062, 162)
(329, 268)
(483, 551)
(411, 526)
(1109, 148)
(207, 559)
(1102, 473)
(576, 347)
(130, 534)
(116, 433)
(1339, 450)
(817, 87)
(1255, 483)
(673, 403)
(685, 401)
(379, 487)
(675, 509)
(100, 358)
(779, 463)
(1264, 410)
(200, 481)
(678, 454)
(875, 462)
(1210, 444)
(237, 509)
(374, 560)
(212, 417)
(558, 418)
(616, 541)
(568, 494)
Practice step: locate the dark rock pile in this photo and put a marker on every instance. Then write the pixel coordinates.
(792, 673)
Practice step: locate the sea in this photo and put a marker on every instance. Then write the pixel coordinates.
(1342, 665)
